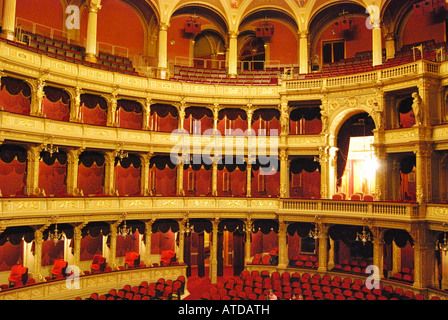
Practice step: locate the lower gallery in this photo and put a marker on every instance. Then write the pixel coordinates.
(223, 151)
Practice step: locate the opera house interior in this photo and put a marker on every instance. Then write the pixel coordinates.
(223, 150)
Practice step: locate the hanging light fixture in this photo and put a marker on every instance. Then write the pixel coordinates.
(188, 228)
(124, 230)
(50, 148)
(442, 245)
(55, 235)
(364, 236)
(315, 233)
(120, 152)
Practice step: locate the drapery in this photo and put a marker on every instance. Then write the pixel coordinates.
(266, 122)
(197, 120)
(238, 252)
(127, 175)
(53, 173)
(406, 113)
(10, 255)
(304, 178)
(93, 109)
(129, 114)
(91, 246)
(162, 176)
(265, 178)
(232, 121)
(15, 95)
(56, 104)
(51, 252)
(91, 172)
(13, 160)
(305, 120)
(163, 118)
(197, 179)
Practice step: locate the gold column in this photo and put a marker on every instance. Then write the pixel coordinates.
(109, 173)
(248, 180)
(331, 255)
(92, 25)
(163, 47)
(423, 172)
(38, 95)
(181, 234)
(144, 174)
(72, 170)
(248, 229)
(377, 49)
(396, 258)
(77, 237)
(423, 256)
(214, 253)
(284, 174)
(9, 20)
(112, 261)
(323, 247)
(233, 54)
(214, 179)
(282, 245)
(390, 46)
(146, 113)
(148, 234)
(32, 176)
(112, 110)
(303, 47)
(378, 247)
(38, 240)
(75, 104)
(180, 179)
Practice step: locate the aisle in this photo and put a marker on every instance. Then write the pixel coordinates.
(197, 286)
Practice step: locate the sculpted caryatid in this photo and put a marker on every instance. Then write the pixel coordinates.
(418, 108)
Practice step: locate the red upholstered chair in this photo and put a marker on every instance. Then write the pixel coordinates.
(131, 260)
(368, 197)
(18, 275)
(98, 263)
(59, 268)
(167, 256)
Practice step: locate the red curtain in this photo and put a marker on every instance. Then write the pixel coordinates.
(126, 244)
(263, 243)
(235, 119)
(12, 177)
(52, 178)
(127, 180)
(163, 118)
(10, 254)
(163, 241)
(91, 246)
(93, 109)
(56, 104)
(91, 179)
(15, 95)
(236, 180)
(197, 182)
(51, 252)
(129, 114)
(165, 181)
(265, 185)
(305, 185)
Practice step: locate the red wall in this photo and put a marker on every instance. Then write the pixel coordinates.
(423, 27)
(359, 39)
(284, 46)
(48, 13)
(118, 24)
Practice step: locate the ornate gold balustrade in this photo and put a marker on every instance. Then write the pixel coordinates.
(100, 283)
(23, 211)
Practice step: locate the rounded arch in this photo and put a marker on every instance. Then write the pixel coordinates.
(340, 115)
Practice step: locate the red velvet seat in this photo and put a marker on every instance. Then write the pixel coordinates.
(18, 275)
(167, 256)
(98, 263)
(132, 259)
(59, 268)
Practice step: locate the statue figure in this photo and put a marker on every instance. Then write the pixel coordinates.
(418, 109)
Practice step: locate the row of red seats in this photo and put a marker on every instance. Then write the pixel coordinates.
(353, 266)
(304, 261)
(161, 290)
(256, 286)
(270, 258)
(406, 275)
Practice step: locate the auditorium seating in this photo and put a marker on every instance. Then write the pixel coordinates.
(310, 286)
(62, 50)
(98, 263)
(18, 275)
(59, 268)
(132, 259)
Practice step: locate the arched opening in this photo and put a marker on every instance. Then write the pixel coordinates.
(356, 164)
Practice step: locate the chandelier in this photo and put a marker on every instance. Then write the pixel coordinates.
(442, 245)
(119, 153)
(55, 235)
(364, 236)
(315, 234)
(124, 230)
(50, 148)
(188, 228)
